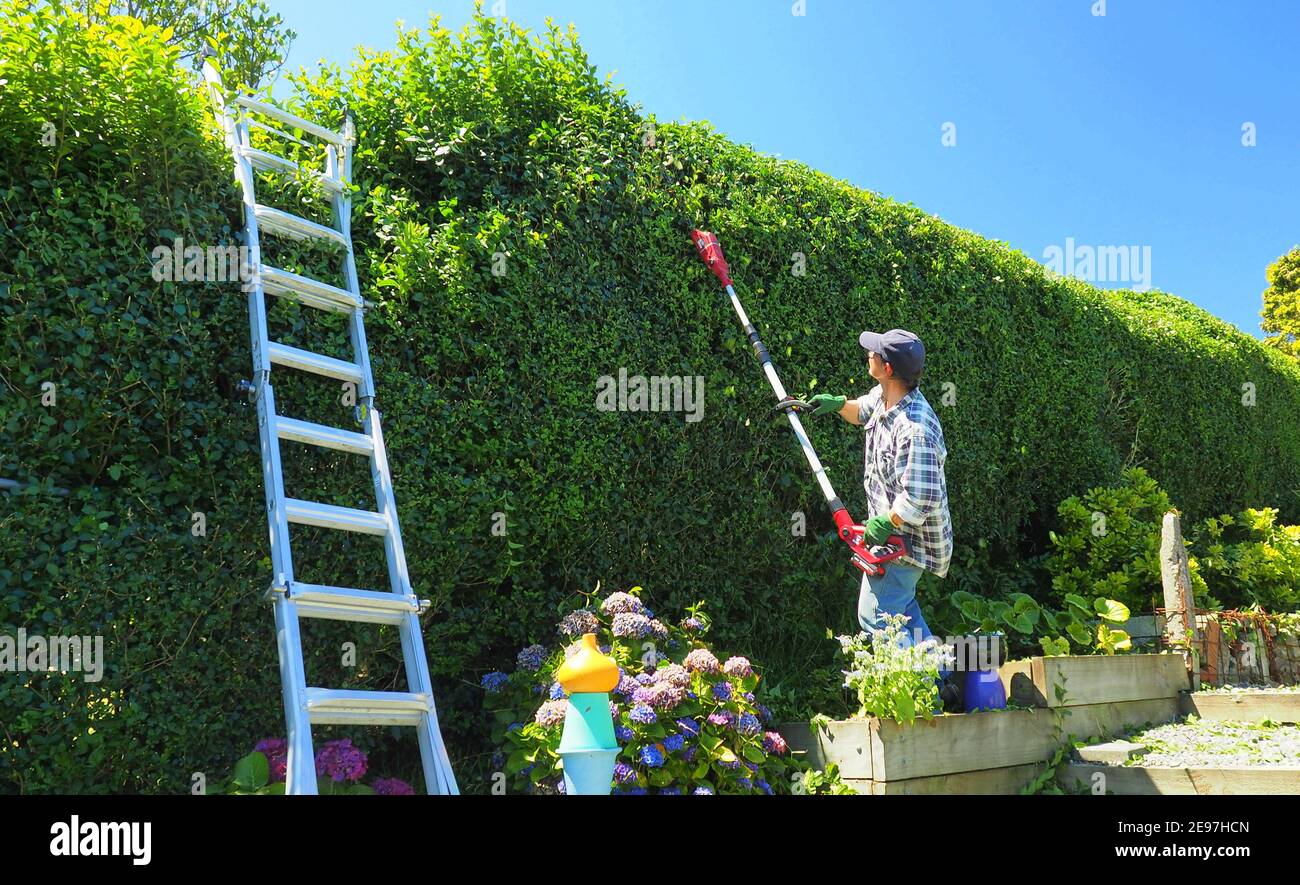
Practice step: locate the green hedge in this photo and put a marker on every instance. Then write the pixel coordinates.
(470, 146)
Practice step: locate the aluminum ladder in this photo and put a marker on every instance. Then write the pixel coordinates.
(306, 706)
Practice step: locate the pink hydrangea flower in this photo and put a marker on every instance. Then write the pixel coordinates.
(701, 660)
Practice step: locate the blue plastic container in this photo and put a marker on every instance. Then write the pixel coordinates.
(983, 690)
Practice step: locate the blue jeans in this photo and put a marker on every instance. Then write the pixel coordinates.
(893, 594)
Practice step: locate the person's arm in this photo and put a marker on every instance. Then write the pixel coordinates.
(850, 412)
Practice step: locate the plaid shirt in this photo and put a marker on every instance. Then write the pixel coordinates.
(905, 452)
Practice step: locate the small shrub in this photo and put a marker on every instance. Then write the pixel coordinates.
(892, 677)
(1248, 559)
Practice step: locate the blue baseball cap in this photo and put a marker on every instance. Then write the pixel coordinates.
(898, 347)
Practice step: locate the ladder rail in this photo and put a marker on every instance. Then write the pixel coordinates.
(302, 704)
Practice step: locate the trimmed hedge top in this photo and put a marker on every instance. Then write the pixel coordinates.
(522, 231)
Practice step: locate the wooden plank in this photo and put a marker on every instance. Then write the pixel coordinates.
(1279, 706)
(978, 741)
(1180, 605)
(1006, 781)
(847, 744)
(1094, 679)
(1139, 781)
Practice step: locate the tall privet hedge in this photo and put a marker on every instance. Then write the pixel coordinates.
(522, 232)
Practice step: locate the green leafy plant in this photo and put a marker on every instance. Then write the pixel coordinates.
(892, 677)
(1248, 559)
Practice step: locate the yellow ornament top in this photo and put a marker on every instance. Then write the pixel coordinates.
(588, 670)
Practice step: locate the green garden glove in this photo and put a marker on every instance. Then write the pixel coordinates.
(827, 402)
(879, 528)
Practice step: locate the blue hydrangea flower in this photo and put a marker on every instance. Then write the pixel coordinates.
(701, 791)
(646, 678)
(623, 733)
(514, 726)
(651, 757)
(670, 791)
(674, 742)
(633, 791)
(765, 787)
(688, 726)
(745, 782)
(557, 692)
(722, 690)
(531, 658)
(765, 713)
(689, 755)
(624, 773)
(643, 714)
(493, 682)
(749, 724)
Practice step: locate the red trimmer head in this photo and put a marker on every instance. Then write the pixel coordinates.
(711, 254)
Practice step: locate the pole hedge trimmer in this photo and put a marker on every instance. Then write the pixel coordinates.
(868, 559)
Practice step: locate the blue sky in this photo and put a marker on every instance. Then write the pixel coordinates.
(1117, 130)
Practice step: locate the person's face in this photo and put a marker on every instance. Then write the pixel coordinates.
(878, 368)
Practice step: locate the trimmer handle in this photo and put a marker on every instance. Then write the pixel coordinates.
(711, 254)
(867, 559)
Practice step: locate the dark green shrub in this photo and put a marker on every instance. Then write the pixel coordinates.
(471, 148)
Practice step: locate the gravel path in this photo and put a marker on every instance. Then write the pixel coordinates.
(1200, 744)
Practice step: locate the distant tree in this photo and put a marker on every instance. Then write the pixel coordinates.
(1281, 313)
(252, 41)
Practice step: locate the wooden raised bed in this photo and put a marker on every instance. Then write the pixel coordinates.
(1253, 706)
(1138, 781)
(1094, 679)
(998, 751)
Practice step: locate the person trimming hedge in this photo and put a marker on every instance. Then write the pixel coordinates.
(906, 490)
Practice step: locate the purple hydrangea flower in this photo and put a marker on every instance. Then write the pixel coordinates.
(674, 674)
(561, 788)
(531, 658)
(765, 787)
(493, 682)
(642, 714)
(551, 713)
(722, 719)
(702, 791)
(391, 786)
(667, 697)
(578, 622)
(646, 678)
(765, 713)
(774, 743)
(734, 764)
(738, 666)
(689, 755)
(651, 756)
(749, 696)
(722, 690)
(624, 773)
(276, 751)
(626, 685)
(749, 724)
(693, 624)
(644, 694)
(630, 625)
(340, 761)
(613, 711)
(622, 603)
(674, 742)
(623, 733)
(701, 660)
(658, 629)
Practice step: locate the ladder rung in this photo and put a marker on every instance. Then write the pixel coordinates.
(345, 604)
(330, 517)
(268, 162)
(311, 292)
(270, 110)
(306, 361)
(295, 227)
(329, 706)
(324, 436)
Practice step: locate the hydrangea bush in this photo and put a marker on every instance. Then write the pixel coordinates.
(339, 769)
(686, 718)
